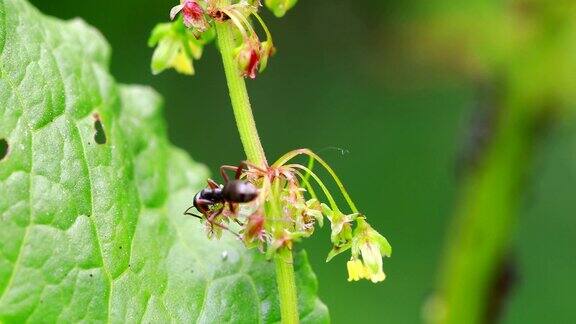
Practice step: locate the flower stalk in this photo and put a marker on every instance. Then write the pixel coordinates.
(239, 97)
(255, 154)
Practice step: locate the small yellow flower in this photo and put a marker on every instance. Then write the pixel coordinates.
(356, 270)
(182, 64)
(369, 246)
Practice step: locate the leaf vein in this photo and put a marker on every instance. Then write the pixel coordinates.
(27, 230)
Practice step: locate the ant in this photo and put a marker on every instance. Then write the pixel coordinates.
(232, 193)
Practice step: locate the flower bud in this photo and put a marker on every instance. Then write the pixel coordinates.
(169, 54)
(254, 229)
(280, 7)
(267, 51)
(248, 58)
(192, 14)
(176, 47)
(340, 224)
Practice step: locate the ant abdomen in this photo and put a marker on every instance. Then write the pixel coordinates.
(239, 191)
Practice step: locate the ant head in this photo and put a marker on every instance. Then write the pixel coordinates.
(240, 191)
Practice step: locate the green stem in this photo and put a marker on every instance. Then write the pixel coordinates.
(255, 154)
(485, 217)
(239, 97)
(327, 193)
(286, 286)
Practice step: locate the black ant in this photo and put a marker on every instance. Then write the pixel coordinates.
(232, 193)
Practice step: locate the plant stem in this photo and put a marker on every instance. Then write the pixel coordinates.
(286, 286)
(255, 154)
(239, 97)
(479, 242)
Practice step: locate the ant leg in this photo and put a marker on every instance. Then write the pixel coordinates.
(223, 174)
(212, 184)
(243, 166)
(232, 207)
(210, 218)
(222, 226)
(214, 215)
(223, 171)
(248, 165)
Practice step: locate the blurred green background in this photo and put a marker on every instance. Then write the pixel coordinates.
(392, 129)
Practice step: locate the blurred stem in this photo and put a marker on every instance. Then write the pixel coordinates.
(255, 154)
(485, 217)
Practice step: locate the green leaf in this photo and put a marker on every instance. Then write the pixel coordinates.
(92, 196)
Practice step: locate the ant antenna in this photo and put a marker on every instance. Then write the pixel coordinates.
(187, 212)
(340, 150)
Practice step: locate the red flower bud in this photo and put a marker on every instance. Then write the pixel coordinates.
(254, 228)
(192, 13)
(249, 58)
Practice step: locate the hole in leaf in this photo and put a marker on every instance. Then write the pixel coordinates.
(3, 149)
(100, 135)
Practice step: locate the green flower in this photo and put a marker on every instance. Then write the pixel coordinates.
(313, 210)
(267, 49)
(372, 247)
(306, 215)
(176, 47)
(341, 226)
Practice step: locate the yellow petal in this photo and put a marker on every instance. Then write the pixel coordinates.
(183, 64)
(377, 277)
(355, 270)
(195, 49)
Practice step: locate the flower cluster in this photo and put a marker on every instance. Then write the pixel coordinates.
(181, 42)
(288, 209)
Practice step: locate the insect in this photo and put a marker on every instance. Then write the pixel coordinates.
(212, 200)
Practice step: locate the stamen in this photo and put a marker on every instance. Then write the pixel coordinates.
(236, 22)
